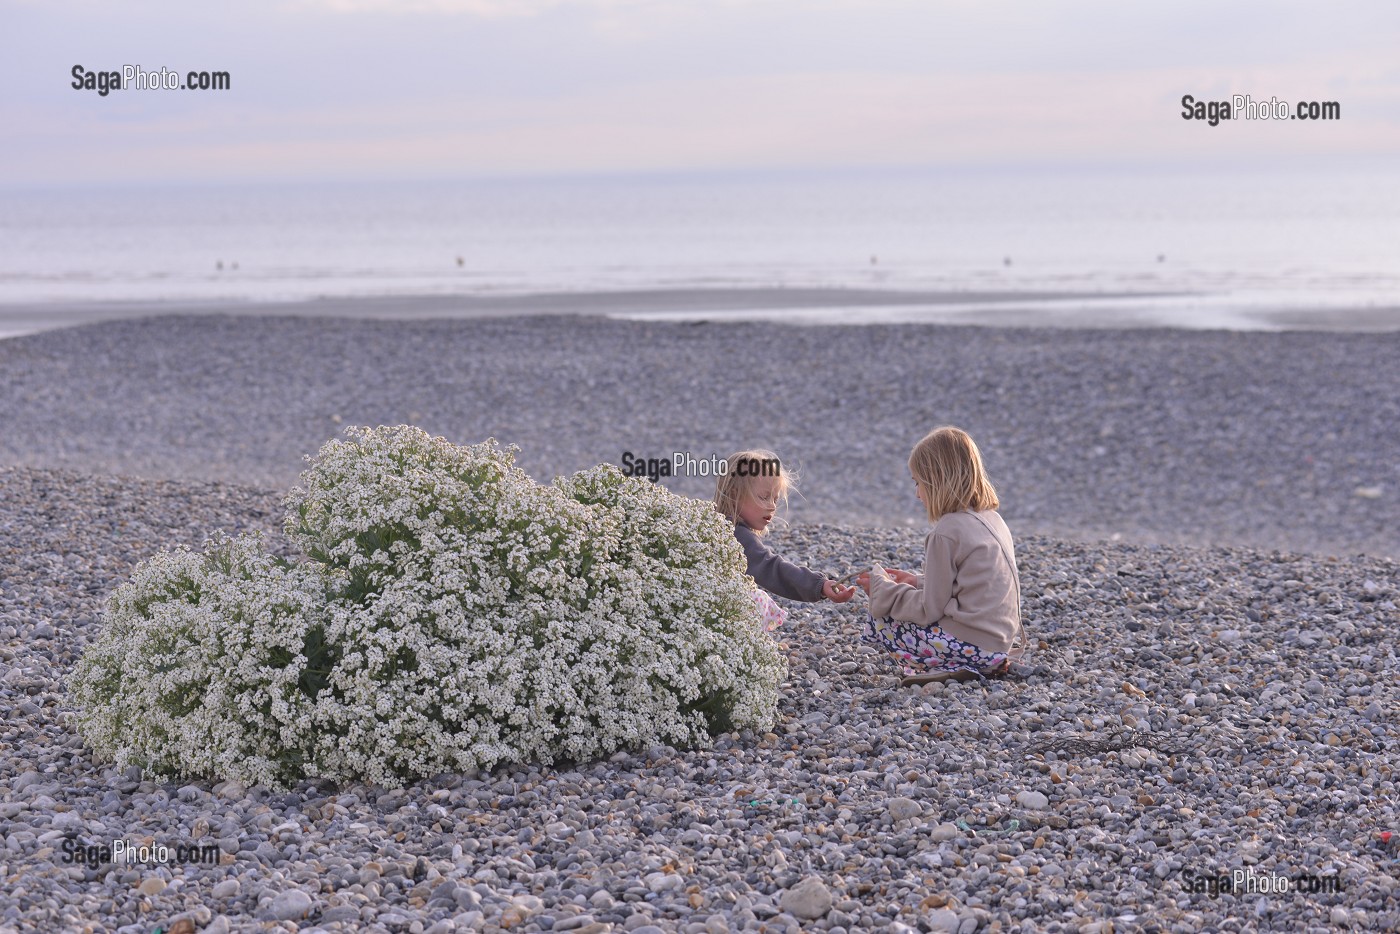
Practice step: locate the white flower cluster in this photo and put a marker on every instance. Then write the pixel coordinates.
(452, 614)
(201, 666)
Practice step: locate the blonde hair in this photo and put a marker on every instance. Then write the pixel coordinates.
(948, 468)
(734, 484)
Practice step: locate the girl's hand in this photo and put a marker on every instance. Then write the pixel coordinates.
(863, 579)
(903, 577)
(837, 593)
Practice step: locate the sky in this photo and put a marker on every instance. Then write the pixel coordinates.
(373, 89)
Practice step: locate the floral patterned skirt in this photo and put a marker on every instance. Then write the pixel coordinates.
(924, 650)
(772, 614)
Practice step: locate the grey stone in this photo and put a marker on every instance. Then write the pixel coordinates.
(291, 905)
(902, 809)
(808, 899)
(339, 914)
(228, 888)
(943, 832)
(25, 779)
(942, 920)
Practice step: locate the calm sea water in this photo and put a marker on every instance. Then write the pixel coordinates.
(1234, 242)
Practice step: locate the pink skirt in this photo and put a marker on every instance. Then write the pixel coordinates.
(772, 615)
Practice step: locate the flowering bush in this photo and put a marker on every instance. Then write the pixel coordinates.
(207, 664)
(450, 614)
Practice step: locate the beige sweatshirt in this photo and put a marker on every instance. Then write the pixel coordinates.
(969, 587)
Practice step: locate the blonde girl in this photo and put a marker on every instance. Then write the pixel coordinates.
(961, 616)
(749, 492)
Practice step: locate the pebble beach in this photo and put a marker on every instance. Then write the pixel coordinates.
(1207, 529)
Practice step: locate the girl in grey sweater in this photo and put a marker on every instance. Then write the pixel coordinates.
(749, 492)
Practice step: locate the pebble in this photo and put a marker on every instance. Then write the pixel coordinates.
(809, 899)
(943, 832)
(902, 809)
(25, 780)
(662, 882)
(944, 920)
(226, 889)
(291, 905)
(1284, 760)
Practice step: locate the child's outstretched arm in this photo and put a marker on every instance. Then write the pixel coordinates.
(779, 577)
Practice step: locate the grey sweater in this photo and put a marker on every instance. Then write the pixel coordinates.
(778, 577)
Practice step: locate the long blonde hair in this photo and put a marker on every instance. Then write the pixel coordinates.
(735, 483)
(948, 468)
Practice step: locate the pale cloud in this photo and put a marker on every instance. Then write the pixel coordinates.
(489, 9)
(817, 119)
(356, 88)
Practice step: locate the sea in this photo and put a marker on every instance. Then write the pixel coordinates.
(1242, 250)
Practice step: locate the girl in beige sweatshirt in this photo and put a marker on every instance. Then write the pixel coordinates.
(962, 614)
